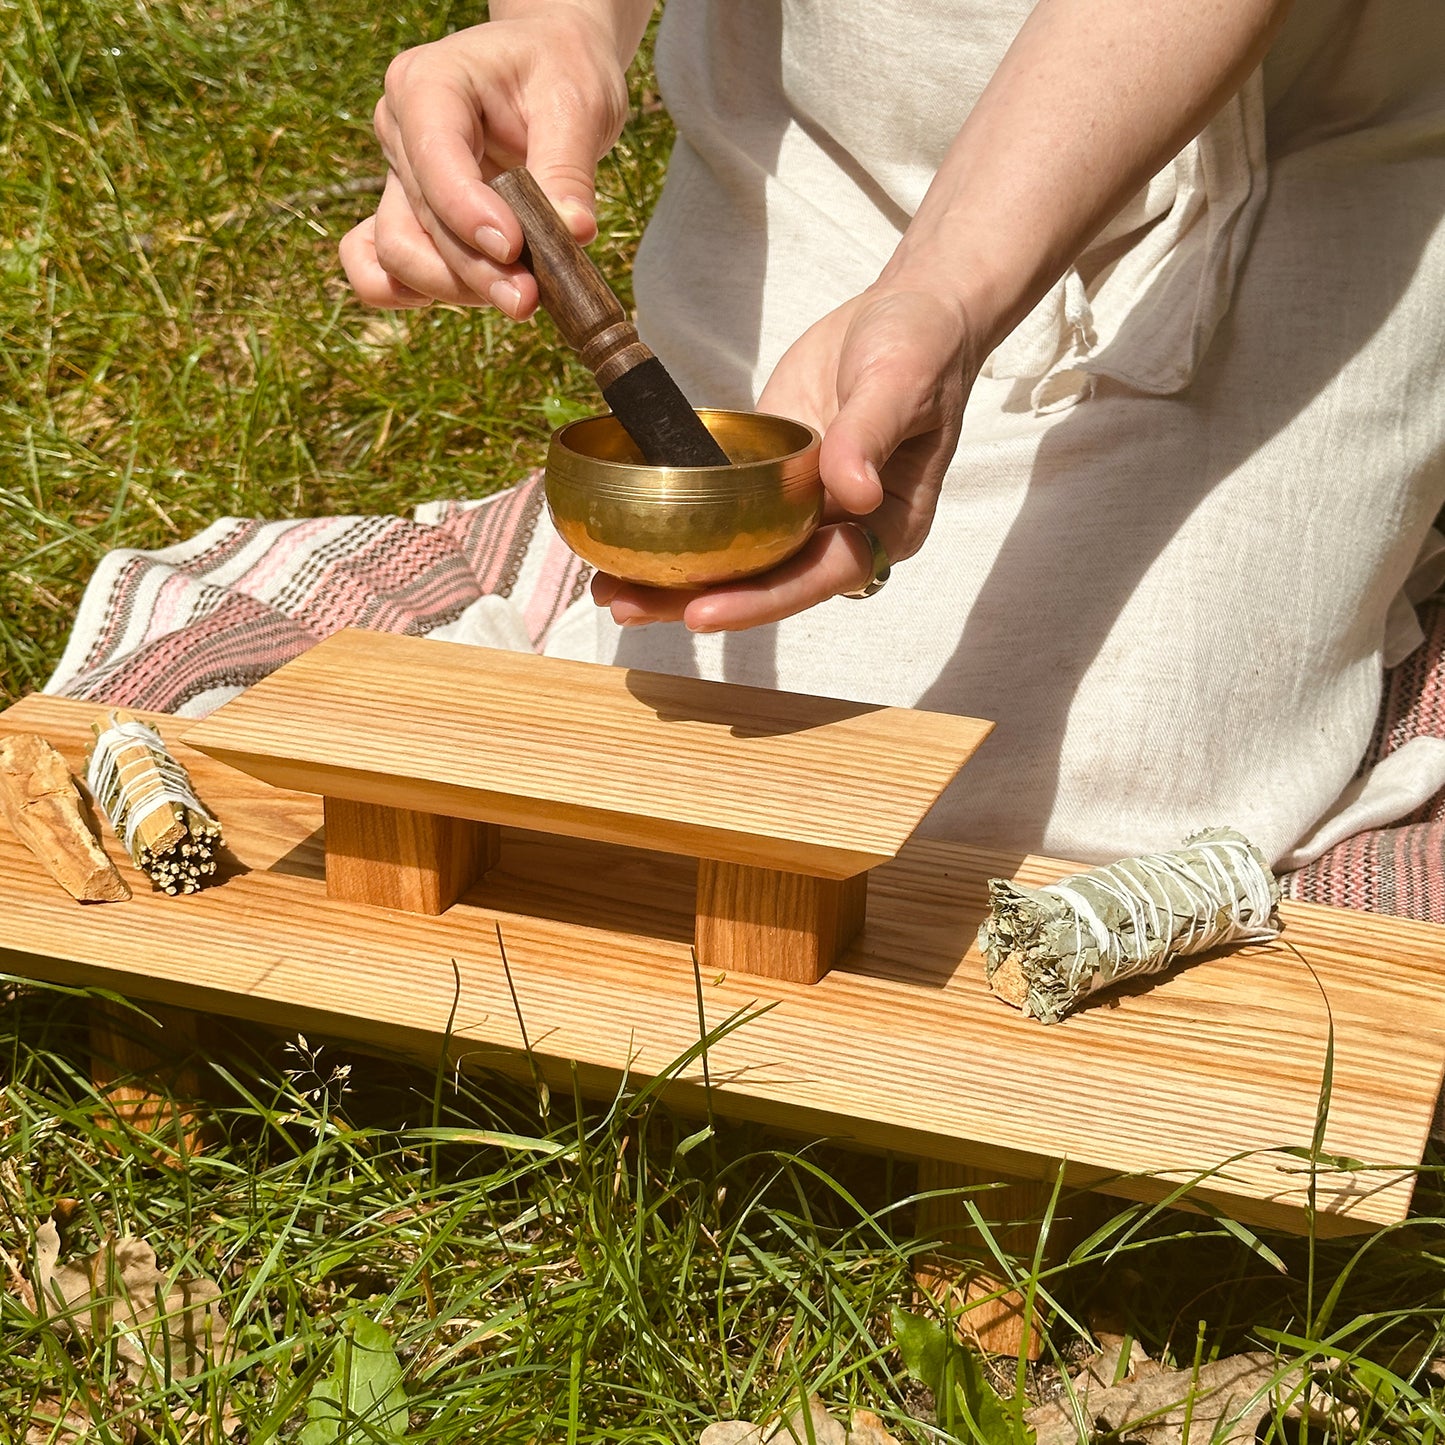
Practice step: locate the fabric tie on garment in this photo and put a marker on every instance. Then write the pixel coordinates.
(1149, 316)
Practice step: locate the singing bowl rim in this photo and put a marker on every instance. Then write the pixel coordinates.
(614, 513)
(626, 479)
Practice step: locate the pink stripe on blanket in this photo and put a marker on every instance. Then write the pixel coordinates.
(240, 642)
(560, 584)
(401, 578)
(119, 604)
(276, 560)
(172, 605)
(496, 535)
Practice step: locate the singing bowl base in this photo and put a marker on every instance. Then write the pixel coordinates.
(686, 527)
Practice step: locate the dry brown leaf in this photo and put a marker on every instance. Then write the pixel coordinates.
(825, 1429)
(63, 1211)
(1104, 1368)
(15, 1281)
(1227, 1399)
(45, 1428)
(51, 1424)
(172, 1328)
(198, 1421)
(731, 1432)
(867, 1429)
(46, 1251)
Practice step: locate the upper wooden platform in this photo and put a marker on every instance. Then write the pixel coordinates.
(1217, 1067)
(741, 775)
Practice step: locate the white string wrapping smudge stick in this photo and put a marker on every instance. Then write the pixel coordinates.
(148, 799)
(1047, 949)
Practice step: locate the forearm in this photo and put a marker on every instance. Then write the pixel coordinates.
(626, 20)
(1092, 98)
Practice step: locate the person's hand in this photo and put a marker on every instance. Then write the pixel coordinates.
(546, 89)
(884, 378)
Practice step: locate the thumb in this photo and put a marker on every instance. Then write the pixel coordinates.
(564, 166)
(872, 420)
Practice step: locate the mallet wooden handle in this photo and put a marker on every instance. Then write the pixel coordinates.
(635, 384)
(573, 291)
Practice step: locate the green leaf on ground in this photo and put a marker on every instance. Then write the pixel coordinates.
(559, 410)
(362, 1387)
(966, 1405)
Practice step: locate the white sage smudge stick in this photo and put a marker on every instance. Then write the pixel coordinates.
(148, 798)
(1047, 949)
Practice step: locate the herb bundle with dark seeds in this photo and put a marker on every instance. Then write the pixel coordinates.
(149, 800)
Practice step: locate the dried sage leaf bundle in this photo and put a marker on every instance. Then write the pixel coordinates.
(147, 796)
(1047, 949)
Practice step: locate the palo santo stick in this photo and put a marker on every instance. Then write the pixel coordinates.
(148, 798)
(1047, 949)
(41, 802)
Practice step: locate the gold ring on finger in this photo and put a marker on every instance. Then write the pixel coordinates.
(879, 566)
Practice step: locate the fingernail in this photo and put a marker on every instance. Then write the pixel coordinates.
(504, 296)
(493, 243)
(575, 211)
(871, 472)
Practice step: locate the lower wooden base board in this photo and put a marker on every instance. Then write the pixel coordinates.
(1208, 1078)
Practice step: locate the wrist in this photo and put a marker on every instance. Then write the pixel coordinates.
(981, 304)
(622, 23)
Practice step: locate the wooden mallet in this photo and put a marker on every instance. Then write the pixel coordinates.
(643, 397)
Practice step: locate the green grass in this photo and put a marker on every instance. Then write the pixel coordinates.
(547, 1268)
(177, 341)
(178, 344)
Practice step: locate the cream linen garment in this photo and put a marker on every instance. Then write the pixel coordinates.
(1172, 554)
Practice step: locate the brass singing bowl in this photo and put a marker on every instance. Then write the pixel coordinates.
(686, 526)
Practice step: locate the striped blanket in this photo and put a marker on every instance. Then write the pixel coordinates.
(183, 629)
(1400, 869)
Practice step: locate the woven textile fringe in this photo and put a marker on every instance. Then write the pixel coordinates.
(1399, 869)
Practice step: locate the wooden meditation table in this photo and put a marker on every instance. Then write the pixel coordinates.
(422, 752)
(401, 811)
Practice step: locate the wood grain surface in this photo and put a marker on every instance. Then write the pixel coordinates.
(779, 925)
(147, 1066)
(978, 1298)
(740, 775)
(1210, 1074)
(397, 858)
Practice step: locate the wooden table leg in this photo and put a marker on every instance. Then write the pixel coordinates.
(150, 1072)
(963, 1273)
(780, 925)
(396, 858)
